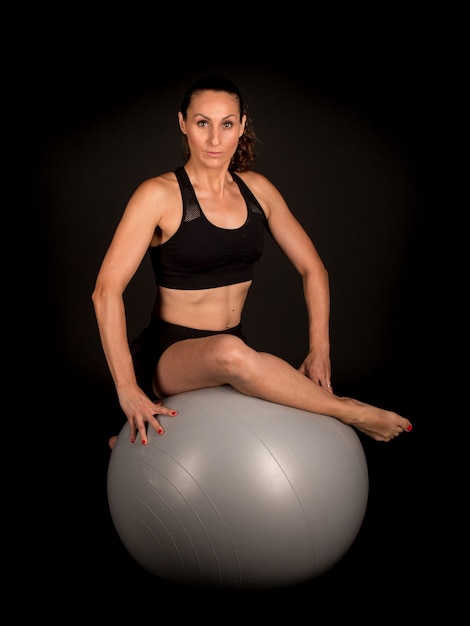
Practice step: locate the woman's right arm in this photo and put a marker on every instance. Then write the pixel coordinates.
(121, 261)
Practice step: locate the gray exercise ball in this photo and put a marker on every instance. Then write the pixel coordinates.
(239, 492)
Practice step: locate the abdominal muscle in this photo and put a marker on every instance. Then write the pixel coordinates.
(205, 309)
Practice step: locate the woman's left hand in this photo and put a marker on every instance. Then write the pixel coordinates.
(317, 367)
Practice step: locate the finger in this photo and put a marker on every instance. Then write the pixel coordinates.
(143, 435)
(164, 410)
(156, 425)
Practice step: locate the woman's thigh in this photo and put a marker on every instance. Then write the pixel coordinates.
(197, 363)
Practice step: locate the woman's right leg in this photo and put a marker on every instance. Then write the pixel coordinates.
(225, 359)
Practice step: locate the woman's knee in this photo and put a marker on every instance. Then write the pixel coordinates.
(233, 353)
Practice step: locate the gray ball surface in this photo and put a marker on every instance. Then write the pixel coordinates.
(239, 492)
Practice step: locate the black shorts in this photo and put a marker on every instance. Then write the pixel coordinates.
(151, 343)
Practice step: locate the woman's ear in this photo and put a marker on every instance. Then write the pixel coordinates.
(181, 122)
(242, 126)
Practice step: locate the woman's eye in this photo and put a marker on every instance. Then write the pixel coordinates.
(202, 123)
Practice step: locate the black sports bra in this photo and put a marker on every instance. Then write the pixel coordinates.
(201, 255)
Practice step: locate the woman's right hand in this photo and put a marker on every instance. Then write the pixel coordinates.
(141, 411)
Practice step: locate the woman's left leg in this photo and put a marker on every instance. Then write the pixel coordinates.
(225, 359)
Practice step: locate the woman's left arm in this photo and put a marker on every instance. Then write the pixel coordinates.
(293, 240)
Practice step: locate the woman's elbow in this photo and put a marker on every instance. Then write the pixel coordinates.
(98, 294)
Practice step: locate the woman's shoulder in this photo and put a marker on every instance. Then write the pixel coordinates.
(253, 177)
(257, 182)
(160, 181)
(156, 196)
(160, 186)
(264, 190)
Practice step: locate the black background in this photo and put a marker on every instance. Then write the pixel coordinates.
(347, 127)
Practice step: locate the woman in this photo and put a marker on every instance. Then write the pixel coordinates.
(203, 226)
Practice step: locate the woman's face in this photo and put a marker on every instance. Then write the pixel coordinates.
(213, 127)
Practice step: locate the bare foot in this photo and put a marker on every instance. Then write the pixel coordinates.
(380, 424)
(112, 441)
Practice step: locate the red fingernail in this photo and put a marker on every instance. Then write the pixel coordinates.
(174, 412)
(160, 431)
(144, 442)
(410, 427)
(132, 440)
